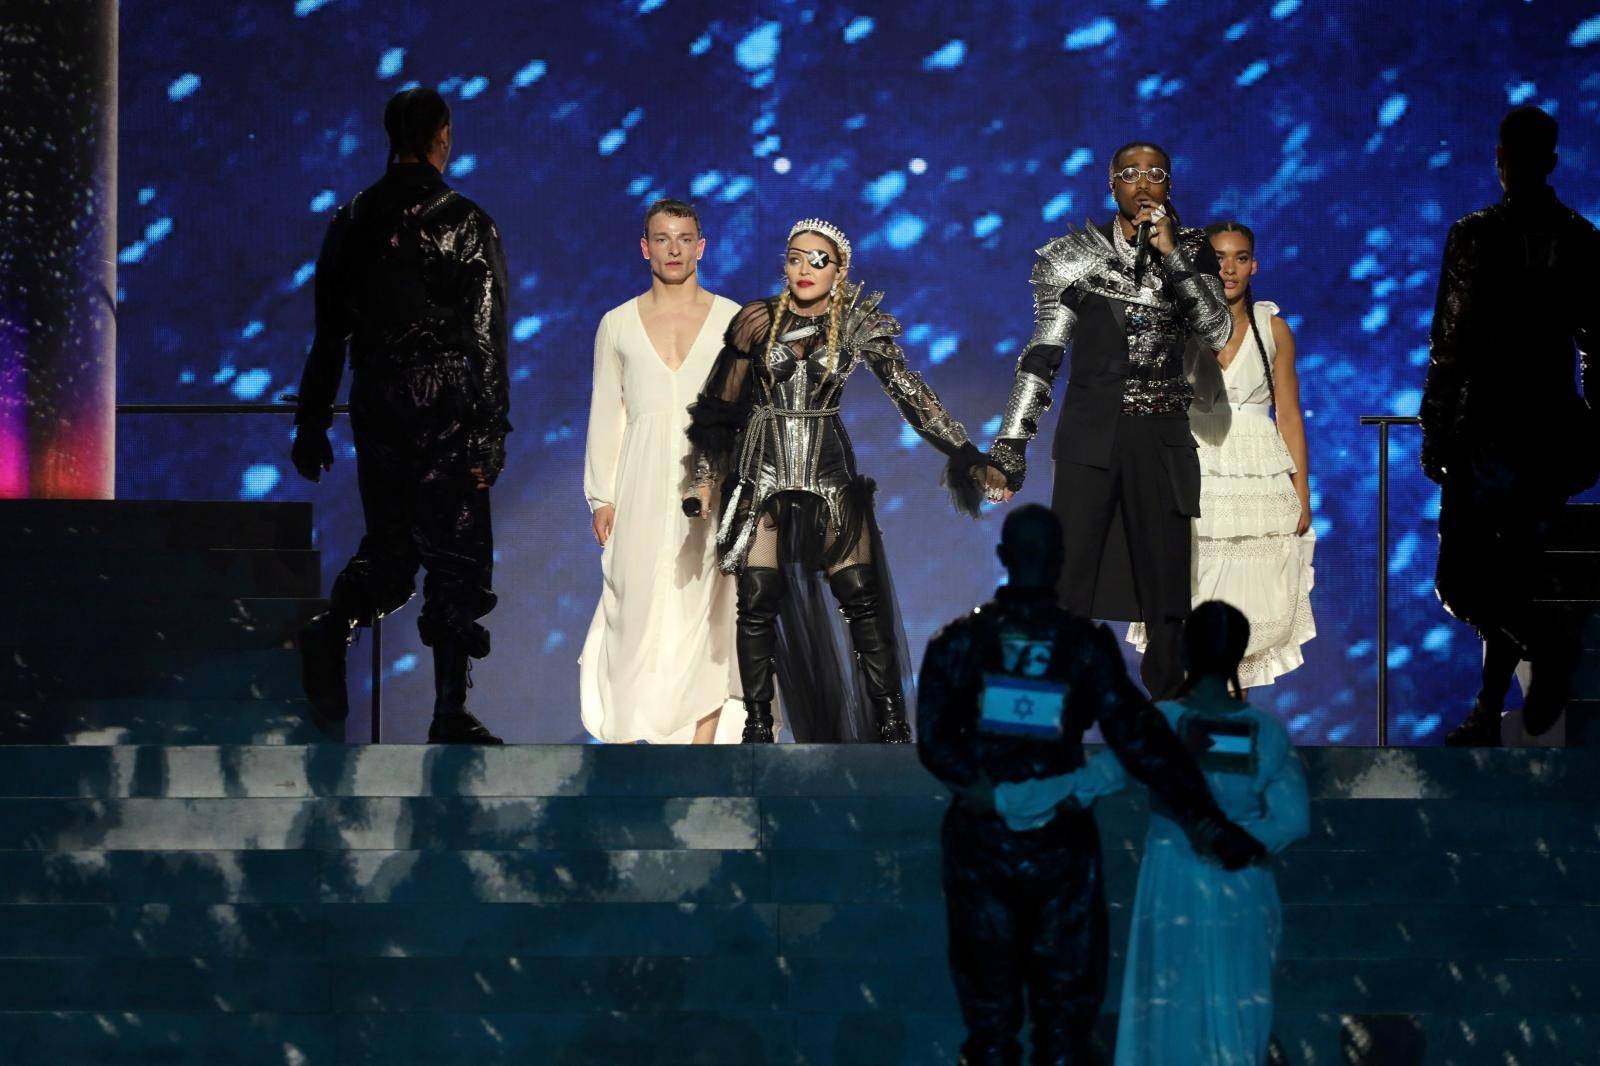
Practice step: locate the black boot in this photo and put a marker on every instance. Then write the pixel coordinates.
(891, 715)
(761, 591)
(856, 589)
(1479, 729)
(324, 645)
(1552, 662)
(452, 722)
(757, 722)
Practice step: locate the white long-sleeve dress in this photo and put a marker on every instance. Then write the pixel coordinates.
(659, 653)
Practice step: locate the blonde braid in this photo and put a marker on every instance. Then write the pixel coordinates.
(772, 331)
(836, 320)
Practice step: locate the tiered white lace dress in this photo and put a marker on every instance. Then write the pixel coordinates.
(1245, 549)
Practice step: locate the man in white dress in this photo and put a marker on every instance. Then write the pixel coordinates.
(657, 664)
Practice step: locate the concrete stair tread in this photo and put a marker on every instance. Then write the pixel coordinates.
(668, 1035)
(136, 524)
(115, 724)
(828, 774)
(195, 673)
(322, 929)
(213, 623)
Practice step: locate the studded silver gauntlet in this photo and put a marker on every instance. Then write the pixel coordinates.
(1201, 300)
(1030, 398)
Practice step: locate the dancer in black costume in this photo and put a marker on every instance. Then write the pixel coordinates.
(767, 428)
(1127, 480)
(412, 280)
(1005, 695)
(1504, 431)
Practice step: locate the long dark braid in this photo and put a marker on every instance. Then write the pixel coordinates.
(1250, 301)
(1261, 346)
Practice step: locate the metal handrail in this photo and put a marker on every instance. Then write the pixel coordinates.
(286, 404)
(1383, 422)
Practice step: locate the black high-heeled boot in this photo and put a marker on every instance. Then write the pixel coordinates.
(757, 723)
(856, 589)
(761, 590)
(452, 722)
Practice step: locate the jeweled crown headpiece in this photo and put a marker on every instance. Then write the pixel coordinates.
(828, 230)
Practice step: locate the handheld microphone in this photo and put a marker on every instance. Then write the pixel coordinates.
(1141, 250)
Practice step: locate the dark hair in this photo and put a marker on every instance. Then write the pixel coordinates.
(412, 119)
(1032, 532)
(675, 208)
(1249, 299)
(1215, 638)
(1148, 146)
(1528, 135)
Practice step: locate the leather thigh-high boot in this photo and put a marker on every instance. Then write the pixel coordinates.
(857, 590)
(761, 591)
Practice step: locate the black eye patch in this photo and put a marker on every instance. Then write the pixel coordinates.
(818, 258)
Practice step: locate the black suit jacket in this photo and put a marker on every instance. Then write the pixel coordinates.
(1096, 379)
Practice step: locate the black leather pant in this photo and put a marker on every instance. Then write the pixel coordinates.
(1028, 931)
(422, 508)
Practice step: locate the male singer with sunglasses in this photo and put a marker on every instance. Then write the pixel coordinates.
(1128, 297)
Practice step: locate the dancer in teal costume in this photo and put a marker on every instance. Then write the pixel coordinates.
(1198, 983)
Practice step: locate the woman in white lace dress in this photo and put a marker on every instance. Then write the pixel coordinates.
(1253, 539)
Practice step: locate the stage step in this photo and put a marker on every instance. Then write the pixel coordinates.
(1577, 529)
(52, 674)
(54, 584)
(139, 525)
(98, 722)
(674, 1035)
(231, 624)
(626, 904)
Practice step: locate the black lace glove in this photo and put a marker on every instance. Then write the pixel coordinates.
(311, 453)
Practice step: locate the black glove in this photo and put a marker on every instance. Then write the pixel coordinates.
(1433, 464)
(311, 452)
(1228, 844)
(489, 457)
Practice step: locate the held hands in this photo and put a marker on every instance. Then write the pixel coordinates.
(1230, 845)
(1163, 226)
(311, 452)
(605, 516)
(994, 484)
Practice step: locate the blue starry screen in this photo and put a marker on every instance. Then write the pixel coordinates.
(948, 140)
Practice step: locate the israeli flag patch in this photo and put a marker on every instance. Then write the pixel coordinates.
(1022, 707)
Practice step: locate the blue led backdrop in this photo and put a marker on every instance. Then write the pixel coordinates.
(949, 141)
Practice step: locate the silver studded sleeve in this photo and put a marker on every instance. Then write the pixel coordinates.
(1053, 323)
(1192, 273)
(919, 405)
